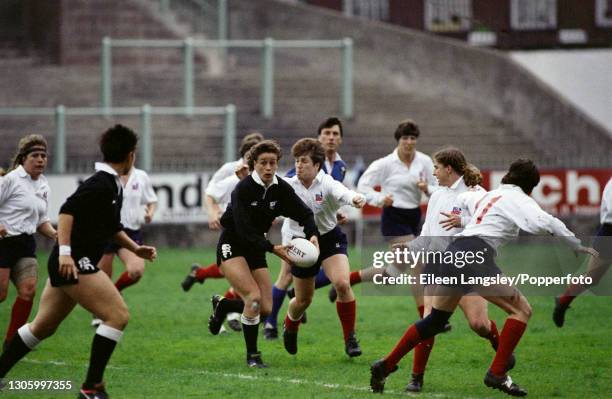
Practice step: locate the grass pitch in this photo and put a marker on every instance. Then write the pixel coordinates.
(167, 351)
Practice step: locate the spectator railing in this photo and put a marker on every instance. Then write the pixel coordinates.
(145, 158)
(267, 45)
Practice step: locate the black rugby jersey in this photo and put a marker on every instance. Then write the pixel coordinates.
(253, 208)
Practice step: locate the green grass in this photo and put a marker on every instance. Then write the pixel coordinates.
(167, 351)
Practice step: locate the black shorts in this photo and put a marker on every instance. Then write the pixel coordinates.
(85, 261)
(230, 246)
(16, 247)
(483, 264)
(397, 222)
(112, 247)
(332, 243)
(603, 241)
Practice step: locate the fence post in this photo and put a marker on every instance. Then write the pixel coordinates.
(59, 163)
(188, 74)
(222, 17)
(347, 78)
(229, 139)
(107, 77)
(267, 84)
(347, 8)
(146, 147)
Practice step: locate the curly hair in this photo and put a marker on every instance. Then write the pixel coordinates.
(266, 146)
(309, 147)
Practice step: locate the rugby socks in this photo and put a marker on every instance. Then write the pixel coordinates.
(508, 340)
(422, 350)
(21, 344)
(278, 296)
(493, 336)
(570, 293)
(102, 348)
(355, 277)
(19, 316)
(346, 314)
(250, 328)
(292, 325)
(408, 341)
(321, 280)
(125, 281)
(210, 271)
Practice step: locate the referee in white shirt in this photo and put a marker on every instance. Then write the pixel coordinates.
(24, 200)
(403, 176)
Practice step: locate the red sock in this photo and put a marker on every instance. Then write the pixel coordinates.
(493, 335)
(421, 355)
(210, 271)
(509, 338)
(230, 294)
(125, 281)
(355, 278)
(570, 293)
(291, 325)
(346, 314)
(409, 340)
(19, 316)
(421, 311)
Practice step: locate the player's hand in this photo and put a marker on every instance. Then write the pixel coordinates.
(242, 171)
(359, 201)
(422, 185)
(214, 221)
(3, 231)
(67, 268)
(281, 252)
(388, 201)
(451, 222)
(148, 217)
(146, 252)
(341, 218)
(315, 241)
(586, 250)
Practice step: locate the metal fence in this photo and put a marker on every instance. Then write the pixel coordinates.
(60, 113)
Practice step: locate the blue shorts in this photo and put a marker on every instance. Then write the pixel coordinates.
(603, 242)
(231, 246)
(461, 269)
(331, 243)
(397, 222)
(112, 247)
(16, 247)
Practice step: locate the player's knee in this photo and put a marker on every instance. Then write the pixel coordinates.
(120, 316)
(254, 304)
(27, 291)
(343, 288)
(433, 324)
(481, 327)
(303, 302)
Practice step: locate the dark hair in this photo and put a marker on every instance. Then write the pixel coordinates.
(249, 141)
(330, 122)
(28, 144)
(523, 173)
(452, 157)
(117, 142)
(266, 146)
(472, 176)
(407, 127)
(309, 147)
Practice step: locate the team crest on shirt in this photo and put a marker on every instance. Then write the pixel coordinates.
(319, 198)
(272, 204)
(456, 210)
(135, 186)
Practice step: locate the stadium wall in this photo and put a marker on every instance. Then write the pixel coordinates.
(437, 66)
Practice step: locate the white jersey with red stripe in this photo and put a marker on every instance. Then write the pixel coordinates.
(501, 213)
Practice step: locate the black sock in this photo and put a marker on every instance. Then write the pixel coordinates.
(250, 329)
(101, 350)
(231, 306)
(14, 352)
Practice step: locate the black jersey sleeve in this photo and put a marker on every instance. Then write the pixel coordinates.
(296, 209)
(243, 222)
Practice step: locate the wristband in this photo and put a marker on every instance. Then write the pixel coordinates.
(65, 250)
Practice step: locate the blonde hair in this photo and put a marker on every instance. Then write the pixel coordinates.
(26, 144)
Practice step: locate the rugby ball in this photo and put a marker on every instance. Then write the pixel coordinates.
(302, 252)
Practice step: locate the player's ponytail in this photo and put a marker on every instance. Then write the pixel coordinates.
(472, 176)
